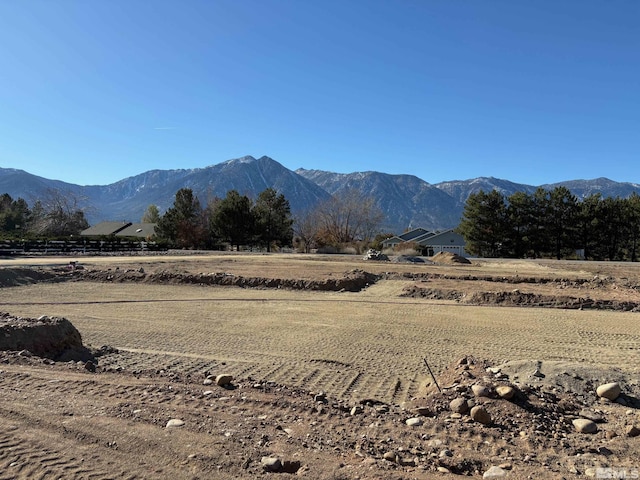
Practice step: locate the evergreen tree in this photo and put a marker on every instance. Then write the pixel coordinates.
(561, 220)
(589, 224)
(518, 232)
(633, 225)
(484, 223)
(182, 223)
(233, 220)
(272, 215)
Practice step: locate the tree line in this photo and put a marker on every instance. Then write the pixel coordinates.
(234, 219)
(55, 215)
(346, 219)
(551, 223)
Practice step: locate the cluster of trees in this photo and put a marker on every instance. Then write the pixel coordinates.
(551, 223)
(235, 220)
(346, 219)
(56, 215)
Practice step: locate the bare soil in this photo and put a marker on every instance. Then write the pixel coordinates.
(327, 355)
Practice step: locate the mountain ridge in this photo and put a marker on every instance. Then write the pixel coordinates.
(406, 200)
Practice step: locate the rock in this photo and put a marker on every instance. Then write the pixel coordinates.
(390, 456)
(495, 472)
(90, 366)
(480, 415)
(632, 431)
(609, 434)
(408, 462)
(593, 416)
(445, 453)
(271, 464)
(414, 422)
(610, 391)
(459, 405)
(443, 470)
(25, 353)
(224, 380)
(584, 425)
(356, 410)
(207, 381)
(480, 391)
(174, 422)
(424, 411)
(506, 391)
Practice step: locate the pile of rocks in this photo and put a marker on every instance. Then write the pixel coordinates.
(375, 255)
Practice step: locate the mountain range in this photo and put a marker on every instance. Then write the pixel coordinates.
(405, 200)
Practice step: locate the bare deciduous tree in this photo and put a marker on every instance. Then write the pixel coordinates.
(348, 217)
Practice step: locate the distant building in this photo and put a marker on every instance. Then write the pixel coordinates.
(431, 242)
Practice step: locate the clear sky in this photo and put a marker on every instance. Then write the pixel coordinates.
(530, 91)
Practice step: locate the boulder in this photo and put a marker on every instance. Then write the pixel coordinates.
(610, 391)
(495, 472)
(480, 415)
(174, 422)
(271, 464)
(480, 391)
(224, 380)
(459, 405)
(506, 391)
(583, 425)
(414, 422)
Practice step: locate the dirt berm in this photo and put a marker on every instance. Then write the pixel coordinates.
(48, 337)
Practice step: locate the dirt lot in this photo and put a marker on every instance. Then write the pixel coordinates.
(327, 355)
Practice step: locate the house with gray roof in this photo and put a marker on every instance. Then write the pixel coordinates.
(120, 229)
(430, 242)
(142, 230)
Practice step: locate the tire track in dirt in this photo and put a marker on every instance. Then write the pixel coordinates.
(72, 434)
(322, 341)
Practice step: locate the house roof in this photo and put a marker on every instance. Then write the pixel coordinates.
(143, 230)
(105, 228)
(425, 236)
(391, 240)
(434, 239)
(412, 234)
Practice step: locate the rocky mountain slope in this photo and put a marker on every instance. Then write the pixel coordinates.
(406, 200)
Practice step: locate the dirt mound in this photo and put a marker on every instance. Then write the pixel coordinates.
(351, 281)
(408, 259)
(516, 298)
(49, 337)
(448, 258)
(13, 277)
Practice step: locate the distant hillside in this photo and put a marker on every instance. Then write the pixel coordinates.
(406, 200)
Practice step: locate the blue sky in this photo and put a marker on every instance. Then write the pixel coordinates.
(530, 91)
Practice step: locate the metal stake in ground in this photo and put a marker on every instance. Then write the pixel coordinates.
(432, 375)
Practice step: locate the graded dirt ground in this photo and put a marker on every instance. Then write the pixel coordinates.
(364, 349)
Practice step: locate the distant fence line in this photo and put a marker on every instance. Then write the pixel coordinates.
(84, 246)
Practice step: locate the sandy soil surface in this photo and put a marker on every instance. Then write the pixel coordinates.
(324, 378)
